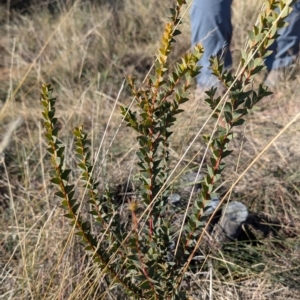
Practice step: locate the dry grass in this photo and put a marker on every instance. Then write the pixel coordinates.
(85, 52)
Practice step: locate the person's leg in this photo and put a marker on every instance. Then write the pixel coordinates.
(211, 26)
(286, 47)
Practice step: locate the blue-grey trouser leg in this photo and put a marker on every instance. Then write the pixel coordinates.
(286, 47)
(211, 26)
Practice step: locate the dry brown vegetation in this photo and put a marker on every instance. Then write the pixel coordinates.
(85, 51)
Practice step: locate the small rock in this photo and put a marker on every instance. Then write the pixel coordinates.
(189, 180)
(234, 214)
(174, 199)
(211, 206)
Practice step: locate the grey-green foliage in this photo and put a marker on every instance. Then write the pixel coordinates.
(141, 258)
